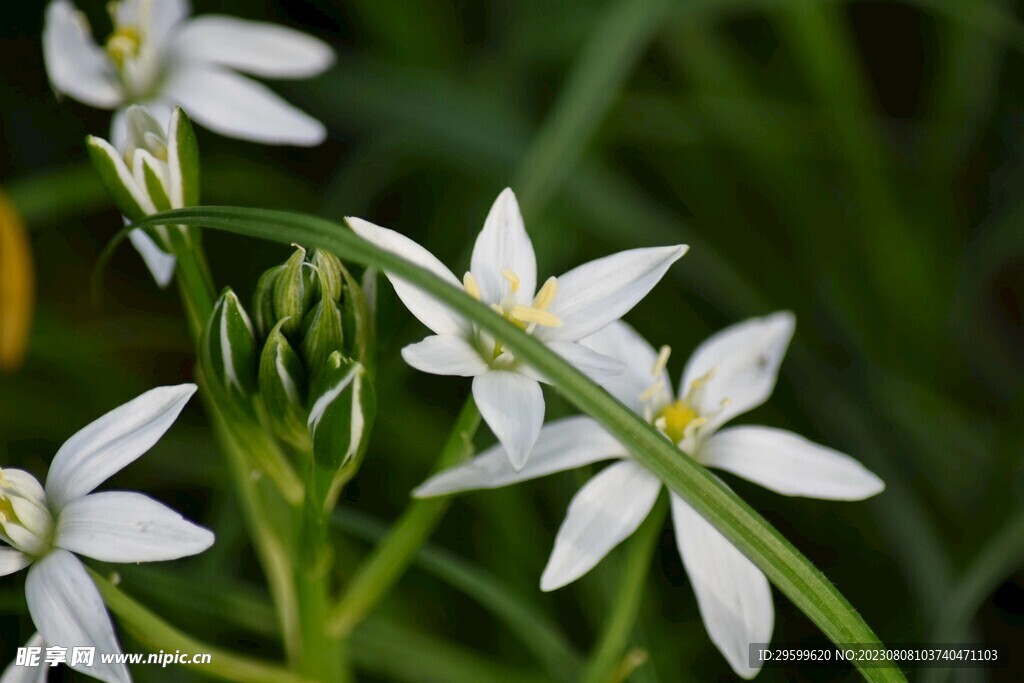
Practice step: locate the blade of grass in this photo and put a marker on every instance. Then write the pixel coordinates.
(781, 562)
(533, 628)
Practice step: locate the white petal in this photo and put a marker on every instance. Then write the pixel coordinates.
(602, 291)
(602, 514)
(562, 445)
(445, 355)
(158, 19)
(504, 244)
(75, 64)
(426, 308)
(623, 343)
(252, 47)
(600, 368)
(28, 674)
(238, 107)
(68, 611)
(160, 111)
(744, 362)
(12, 560)
(159, 262)
(512, 405)
(118, 526)
(789, 464)
(107, 445)
(733, 595)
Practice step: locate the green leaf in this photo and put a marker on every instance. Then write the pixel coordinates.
(783, 564)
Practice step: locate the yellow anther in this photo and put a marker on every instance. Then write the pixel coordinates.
(498, 309)
(528, 314)
(659, 365)
(513, 279)
(546, 296)
(471, 286)
(677, 418)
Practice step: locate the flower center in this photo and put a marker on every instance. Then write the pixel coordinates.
(524, 317)
(123, 44)
(24, 519)
(674, 418)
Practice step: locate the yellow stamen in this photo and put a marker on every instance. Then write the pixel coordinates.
(471, 286)
(662, 361)
(677, 417)
(513, 279)
(528, 314)
(652, 390)
(546, 296)
(123, 44)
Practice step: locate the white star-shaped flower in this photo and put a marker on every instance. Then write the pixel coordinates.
(44, 526)
(732, 372)
(503, 275)
(158, 57)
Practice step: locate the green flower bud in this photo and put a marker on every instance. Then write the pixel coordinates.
(330, 270)
(229, 346)
(263, 301)
(292, 291)
(283, 386)
(342, 409)
(322, 333)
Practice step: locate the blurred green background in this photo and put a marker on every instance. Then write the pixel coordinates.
(856, 162)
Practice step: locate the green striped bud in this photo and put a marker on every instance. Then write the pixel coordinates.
(330, 270)
(322, 332)
(342, 409)
(293, 291)
(229, 346)
(263, 301)
(283, 386)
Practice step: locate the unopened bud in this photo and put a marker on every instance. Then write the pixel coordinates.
(282, 382)
(329, 268)
(263, 301)
(322, 333)
(292, 291)
(342, 410)
(229, 346)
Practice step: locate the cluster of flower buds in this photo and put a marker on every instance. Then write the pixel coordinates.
(298, 357)
(151, 170)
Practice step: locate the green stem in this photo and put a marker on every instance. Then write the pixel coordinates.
(604, 663)
(150, 629)
(389, 560)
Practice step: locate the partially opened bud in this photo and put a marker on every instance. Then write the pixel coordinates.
(283, 387)
(342, 410)
(229, 346)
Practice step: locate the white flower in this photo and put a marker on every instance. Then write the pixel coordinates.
(159, 57)
(503, 275)
(44, 526)
(732, 372)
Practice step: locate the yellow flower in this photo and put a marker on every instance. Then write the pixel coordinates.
(16, 286)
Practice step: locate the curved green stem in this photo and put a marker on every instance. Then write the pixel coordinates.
(157, 633)
(392, 556)
(604, 663)
(781, 562)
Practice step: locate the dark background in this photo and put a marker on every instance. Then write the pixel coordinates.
(855, 162)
